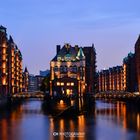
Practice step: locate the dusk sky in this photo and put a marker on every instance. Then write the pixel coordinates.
(37, 26)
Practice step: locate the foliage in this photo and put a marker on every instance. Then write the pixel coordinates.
(45, 85)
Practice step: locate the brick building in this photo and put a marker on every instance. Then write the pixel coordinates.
(111, 79)
(11, 72)
(72, 70)
(137, 59)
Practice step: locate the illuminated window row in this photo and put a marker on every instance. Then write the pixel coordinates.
(70, 84)
(62, 84)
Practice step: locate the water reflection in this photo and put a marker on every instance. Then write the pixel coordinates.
(106, 120)
(65, 128)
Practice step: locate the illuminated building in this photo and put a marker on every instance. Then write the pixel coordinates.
(11, 74)
(3, 61)
(69, 70)
(137, 55)
(129, 73)
(90, 69)
(15, 76)
(32, 83)
(111, 79)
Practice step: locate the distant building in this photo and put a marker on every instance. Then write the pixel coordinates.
(35, 82)
(111, 79)
(44, 73)
(39, 80)
(126, 77)
(11, 71)
(25, 80)
(71, 70)
(137, 57)
(32, 83)
(129, 75)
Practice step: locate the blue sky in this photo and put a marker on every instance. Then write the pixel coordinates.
(37, 26)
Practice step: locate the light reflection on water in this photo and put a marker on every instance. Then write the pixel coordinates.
(106, 121)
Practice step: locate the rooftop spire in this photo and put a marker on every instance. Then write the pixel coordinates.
(26, 70)
(80, 54)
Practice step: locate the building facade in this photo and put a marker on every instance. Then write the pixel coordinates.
(111, 79)
(137, 59)
(35, 82)
(90, 69)
(3, 61)
(129, 73)
(68, 71)
(25, 80)
(11, 72)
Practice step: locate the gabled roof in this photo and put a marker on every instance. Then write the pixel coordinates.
(67, 52)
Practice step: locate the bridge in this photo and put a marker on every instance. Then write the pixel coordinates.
(23, 95)
(126, 96)
(123, 96)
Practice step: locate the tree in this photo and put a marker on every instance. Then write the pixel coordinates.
(45, 85)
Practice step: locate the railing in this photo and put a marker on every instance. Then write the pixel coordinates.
(116, 96)
(29, 95)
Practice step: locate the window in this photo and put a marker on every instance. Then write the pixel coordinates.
(58, 84)
(74, 68)
(61, 68)
(68, 84)
(62, 84)
(55, 68)
(72, 84)
(65, 69)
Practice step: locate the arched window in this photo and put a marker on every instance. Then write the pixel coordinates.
(65, 68)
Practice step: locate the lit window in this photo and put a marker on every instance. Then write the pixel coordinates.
(4, 81)
(62, 84)
(58, 83)
(72, 84)
(68, 84)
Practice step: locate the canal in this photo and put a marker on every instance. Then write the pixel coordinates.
(107, 121)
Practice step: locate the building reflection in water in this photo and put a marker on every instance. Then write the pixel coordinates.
(62, 126)
(106, 115)
(120, 114)
(9, 125)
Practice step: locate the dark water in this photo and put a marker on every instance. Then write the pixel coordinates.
(107, 121)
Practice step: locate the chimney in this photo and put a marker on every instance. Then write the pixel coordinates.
(58, 47)
(76, 48)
